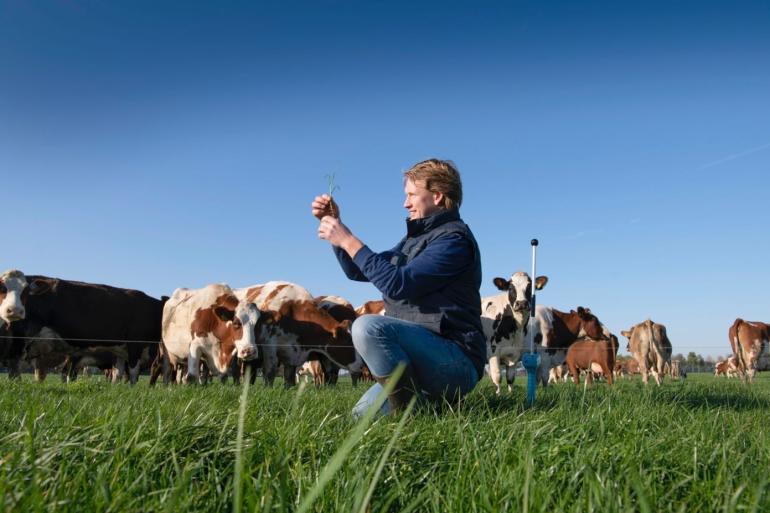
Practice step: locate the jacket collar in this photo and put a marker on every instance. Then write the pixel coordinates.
(415, 227)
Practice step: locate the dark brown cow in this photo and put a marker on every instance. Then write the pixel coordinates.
(749, 341)
(585, 352)
(85, 315)
(556, 331)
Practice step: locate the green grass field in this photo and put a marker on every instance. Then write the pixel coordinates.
(701, 445)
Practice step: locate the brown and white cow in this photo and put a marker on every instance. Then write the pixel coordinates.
(594, 356)
(209, 324)
(505, 321)
(313, 370)
(376, 307)
(650, 347)
(295, 329)
(556, 331)
(749, 341)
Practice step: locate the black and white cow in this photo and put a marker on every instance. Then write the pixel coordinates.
(505, 318)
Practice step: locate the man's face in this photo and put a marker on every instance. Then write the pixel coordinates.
(420, 202)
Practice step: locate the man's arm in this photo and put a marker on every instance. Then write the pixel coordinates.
(436, 266)
(349, 267)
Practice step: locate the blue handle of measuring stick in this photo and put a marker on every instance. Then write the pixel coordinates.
(531, 362)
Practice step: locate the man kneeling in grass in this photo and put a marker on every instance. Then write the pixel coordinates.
(430, 285)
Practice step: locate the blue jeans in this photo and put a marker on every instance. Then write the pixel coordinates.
(441, 369)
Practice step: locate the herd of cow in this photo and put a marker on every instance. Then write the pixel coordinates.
(49, 322)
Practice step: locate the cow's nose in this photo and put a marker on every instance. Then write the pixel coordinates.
(247, 353)
(521, 305)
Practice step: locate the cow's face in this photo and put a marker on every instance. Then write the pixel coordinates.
(590, 325)
(13, 295)
(519, 289)
(246, 319)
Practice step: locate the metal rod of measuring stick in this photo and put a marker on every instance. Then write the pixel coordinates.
(532, 303)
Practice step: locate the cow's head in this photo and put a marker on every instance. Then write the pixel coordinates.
(519, 289)
(589, 325)
(234, 324)
(628, 333)
(13, 295)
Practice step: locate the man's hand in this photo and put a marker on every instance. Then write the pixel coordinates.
(323, 206)
(332, 230)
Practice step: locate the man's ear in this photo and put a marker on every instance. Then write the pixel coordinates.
(438, 199)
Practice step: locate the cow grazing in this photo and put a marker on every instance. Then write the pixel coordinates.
(587, 354)
(64, 318)
(749, 341)
(556, 331)
(210, 324)
(313, 370)
(296, 329)
(650, 347)
(631, 366)
(505, 321)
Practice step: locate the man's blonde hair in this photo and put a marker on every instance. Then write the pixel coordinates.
(438, 176)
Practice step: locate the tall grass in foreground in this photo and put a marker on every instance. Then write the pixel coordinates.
(701, 445)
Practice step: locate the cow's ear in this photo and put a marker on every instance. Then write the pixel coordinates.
(626, 334)
(38, 287)
(224, 314)
(540, 282)
(501, 284)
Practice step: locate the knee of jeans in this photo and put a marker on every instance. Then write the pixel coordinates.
(363, 328)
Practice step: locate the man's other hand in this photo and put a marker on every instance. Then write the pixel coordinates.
(337, 234)
(323, 206)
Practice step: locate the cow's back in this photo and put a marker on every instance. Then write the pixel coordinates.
(78, 310)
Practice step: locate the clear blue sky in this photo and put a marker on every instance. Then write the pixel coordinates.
(156, 145)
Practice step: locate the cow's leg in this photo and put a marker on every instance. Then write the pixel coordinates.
(574, 372)
(608, 373)
(118, 370)
(510, 374)
(40, 370)
(14, 368)
(69, 371)
(133, 373)
(354, 377)
(204, 373)
(193, 364)
(289, 375)
(494, 372)
(269, 369)
(643, 371)
(330, 372)
(157, 368)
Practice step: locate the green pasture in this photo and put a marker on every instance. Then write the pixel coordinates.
(698, 445)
